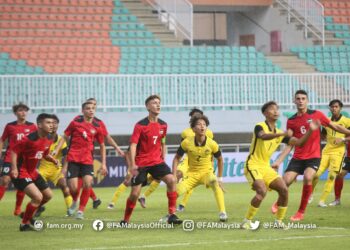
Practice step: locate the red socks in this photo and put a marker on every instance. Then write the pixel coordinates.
(28, 214)
(338, 186)
(84, 198)
(172, 196)
(128, 209)
(307, 191)
(19, 198)
(2, 191)
(92, 194)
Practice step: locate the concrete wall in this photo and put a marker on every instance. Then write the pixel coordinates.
(261, 21)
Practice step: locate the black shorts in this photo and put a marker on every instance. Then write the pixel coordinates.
(346, 165)
(22, 183)
(6, 169)
(157, 172)
(79, 170)
(299, 166)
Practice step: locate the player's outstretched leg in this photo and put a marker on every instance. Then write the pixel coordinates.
(73, 188)
(338, 186)
(19, 200)
(68, 199)
(281, 188)
(184, 201)
(96, 202)
(170, 181)
(131, 203)
(309, 175)
(120, 189)
(260, 189)
(154, 184)
(4, 182)
(220, 200)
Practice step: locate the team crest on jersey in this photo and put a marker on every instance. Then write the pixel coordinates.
(26, 130)
(161, 132)
(309, 120)
(207, 151)
(93, 131)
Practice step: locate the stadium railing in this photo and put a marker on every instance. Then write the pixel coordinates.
(179, 15)
(308, 12)
(124, 93)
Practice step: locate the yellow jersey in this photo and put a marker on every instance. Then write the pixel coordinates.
(330, 147)
(188, 132)
(261, 150)
(199, 156)
(44, 164)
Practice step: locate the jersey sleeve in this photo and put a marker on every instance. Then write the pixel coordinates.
(5, 134)
(136, 134)
(257, 130)
(183, 135)
(210, 134)
(64, 149)
(286, 139)
(100, 138)
(103, 129)
(69, 129)
(216, 149)
(182, 149)
(323, 119)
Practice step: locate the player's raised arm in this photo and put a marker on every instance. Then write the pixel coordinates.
(114, 144)
(260, 133)
(339, 128)
(64, 139)
(314, 125)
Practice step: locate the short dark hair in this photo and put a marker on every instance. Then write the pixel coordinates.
(301, 91)
(91, 99)
(195, 110)
(42, 117)
(55, 118)
(196, 118)
(336, 101)
(267, 105)
(16, 107)
(152, 97)
(84, 104)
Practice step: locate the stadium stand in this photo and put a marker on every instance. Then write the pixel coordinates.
(67, 37)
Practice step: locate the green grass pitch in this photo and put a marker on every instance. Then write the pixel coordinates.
(332, 232)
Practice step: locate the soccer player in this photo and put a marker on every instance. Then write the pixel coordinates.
(200, 150)
(333, 152)
(260, 175)
(182, 168)
(110, 141)
(146, 158)
(306, 159)
(50, 171)
(339, 180)
(13, 133)
(25, 157)
(82, 132)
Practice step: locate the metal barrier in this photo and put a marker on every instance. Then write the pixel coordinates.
(308, 12)
(179, 15)
(123, 93)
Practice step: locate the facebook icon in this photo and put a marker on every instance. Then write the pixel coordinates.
(98, 225)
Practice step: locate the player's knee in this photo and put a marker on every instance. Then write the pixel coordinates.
(261, 193)
(5, 181)
(179, 174)
(37, 198)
